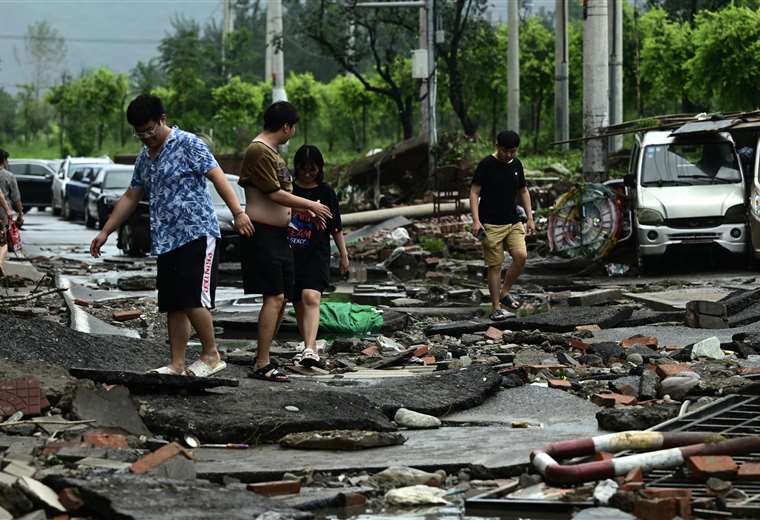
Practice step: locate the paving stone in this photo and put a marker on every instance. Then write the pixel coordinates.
(109, 408)
(341, 440)
(22, 395)
(133, 497)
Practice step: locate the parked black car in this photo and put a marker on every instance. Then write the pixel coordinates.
(134, 235)
(110, 183)
(34, 178)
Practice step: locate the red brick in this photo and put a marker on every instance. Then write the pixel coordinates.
(656, 508)
(61, 517)
(82, 303)
(671, 369)
(718, 466)
(158, 457)
(494, 334)
(276, 487)
(578, 344)
(428, 360)
(603, 455)
(635, 475)
(70, 499)
(351, 500)
(105, 440)
(371, 351)
(649, 341)
(609, 399)
(631, 486)
(749, 471)
(589, 328)
(421, 351)
(131, 314)
(681, 496)
(562, 384)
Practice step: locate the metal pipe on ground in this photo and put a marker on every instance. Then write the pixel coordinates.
(678, 448)
(362, 218)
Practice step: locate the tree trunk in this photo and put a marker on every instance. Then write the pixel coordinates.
(456, 97)
(537, 122)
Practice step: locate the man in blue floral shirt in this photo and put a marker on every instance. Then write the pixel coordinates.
(173, 168)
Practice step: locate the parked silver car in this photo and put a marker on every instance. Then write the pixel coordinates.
(689, 190)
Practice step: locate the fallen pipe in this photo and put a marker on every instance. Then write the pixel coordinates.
(672, 451)
(362, 218)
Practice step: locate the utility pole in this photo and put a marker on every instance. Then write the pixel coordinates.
(268, 50)
(274, 13)
(228, 25)
(513, 65)
(424, 108)
(616, 70)
(596, 88)
(561, 75)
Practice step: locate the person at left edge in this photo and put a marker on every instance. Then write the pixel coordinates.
(172, 168)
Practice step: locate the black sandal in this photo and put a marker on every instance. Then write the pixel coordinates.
(510, 302)
(269, 372)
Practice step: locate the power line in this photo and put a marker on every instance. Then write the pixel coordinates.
(81, 40)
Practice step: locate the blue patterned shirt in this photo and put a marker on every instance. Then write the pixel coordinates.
(175, 181)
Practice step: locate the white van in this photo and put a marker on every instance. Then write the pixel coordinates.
(689, 189)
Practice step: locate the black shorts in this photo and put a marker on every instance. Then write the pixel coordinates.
(267, 261)
(312, 272)
(187, 276)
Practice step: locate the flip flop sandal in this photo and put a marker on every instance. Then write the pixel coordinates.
(269, 373)
(309, 359)
(510, 302)
(499, 315)
(166, 371)
(200, 368)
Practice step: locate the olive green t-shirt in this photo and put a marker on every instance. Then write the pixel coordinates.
(265, 169)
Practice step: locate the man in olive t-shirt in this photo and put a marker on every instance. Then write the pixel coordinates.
(266, 257)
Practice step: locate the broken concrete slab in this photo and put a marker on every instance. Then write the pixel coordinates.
(40, 493)
(503, 451)
(676, 299)
(144, 498)
(340, 440)
(641, 317)
(638, 417)
(594, 297)
(109, 408)
(555, 409)
(82, 321)
(557, 320)
(142, 382)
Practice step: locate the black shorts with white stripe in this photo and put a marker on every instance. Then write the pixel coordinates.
(187, 276)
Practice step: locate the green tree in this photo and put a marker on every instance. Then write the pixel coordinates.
(238, 106)
(33, 113)
(536, 71)
(666, 47)
(44, 51)
(145, 76)
(724, 71)
(344, 111)
(686, 10)
(302, 92)
(7, 115)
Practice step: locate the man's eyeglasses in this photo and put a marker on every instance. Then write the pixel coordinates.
(147, 134)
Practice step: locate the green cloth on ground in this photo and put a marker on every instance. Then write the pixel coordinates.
(348, 318)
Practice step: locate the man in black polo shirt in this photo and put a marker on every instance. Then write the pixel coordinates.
(498, 181)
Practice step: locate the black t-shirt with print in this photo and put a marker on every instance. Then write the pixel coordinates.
(499, 184)
(303, 235)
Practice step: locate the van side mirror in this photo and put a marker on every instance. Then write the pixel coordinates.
(629, 181)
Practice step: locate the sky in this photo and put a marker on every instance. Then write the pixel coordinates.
(104, 23)
(114, 33)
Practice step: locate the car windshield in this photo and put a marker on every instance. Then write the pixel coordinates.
(75, 167)
(690, 164)
(218, 201)
(118, 179)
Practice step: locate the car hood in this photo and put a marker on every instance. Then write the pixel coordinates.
(691, 201)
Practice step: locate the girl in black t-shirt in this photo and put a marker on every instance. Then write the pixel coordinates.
(309, 239)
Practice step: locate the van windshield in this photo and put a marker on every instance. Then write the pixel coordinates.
(690, 164)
